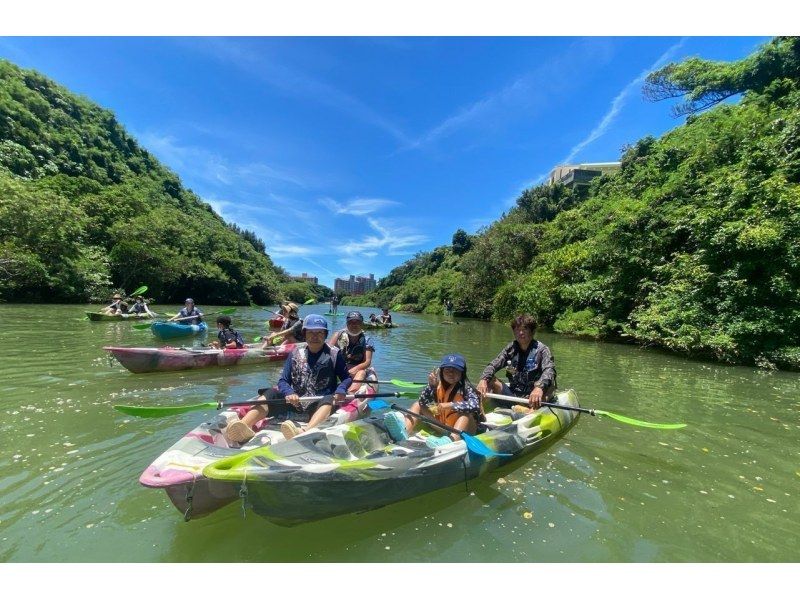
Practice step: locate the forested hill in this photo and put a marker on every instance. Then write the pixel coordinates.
(84, 209)
(693, 246)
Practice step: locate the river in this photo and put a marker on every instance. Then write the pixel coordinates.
(723, 489)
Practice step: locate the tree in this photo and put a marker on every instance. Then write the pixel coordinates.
(462, 242)
(705, 83)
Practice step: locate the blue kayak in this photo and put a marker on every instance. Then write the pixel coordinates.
(168, 330)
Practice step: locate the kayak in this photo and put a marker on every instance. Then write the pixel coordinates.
(168, 330)
(355, 466)
(178, 471)
(168, 359)
(99, 317)
(372, 326)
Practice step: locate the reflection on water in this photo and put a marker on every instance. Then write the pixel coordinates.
(723, 489)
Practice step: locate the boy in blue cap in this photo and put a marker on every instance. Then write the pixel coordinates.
(312, 369)
(449, 398)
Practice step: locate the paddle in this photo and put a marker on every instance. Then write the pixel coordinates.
(167, 411)
(310, 301)
(227, 311)
(473, 444)
(403, 383)
(621, 418)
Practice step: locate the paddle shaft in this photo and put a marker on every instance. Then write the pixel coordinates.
(544, 404)
(304, 400)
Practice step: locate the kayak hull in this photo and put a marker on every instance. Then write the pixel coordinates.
(98, 317)
(170, 330)
(140, 360)
(178, 471)
(371, 326)
(355, 467)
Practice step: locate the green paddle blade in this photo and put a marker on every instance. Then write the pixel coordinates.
(310, 301)
(163, 411)
(404, 384)
(139, 291)
(637, 422)
(141, 326)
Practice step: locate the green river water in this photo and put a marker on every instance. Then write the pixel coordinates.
(724, 489)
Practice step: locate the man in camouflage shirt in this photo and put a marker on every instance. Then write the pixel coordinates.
(529, 366)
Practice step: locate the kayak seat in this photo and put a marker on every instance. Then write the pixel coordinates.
(497, 419)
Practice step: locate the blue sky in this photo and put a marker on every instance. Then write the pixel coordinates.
(349, 155)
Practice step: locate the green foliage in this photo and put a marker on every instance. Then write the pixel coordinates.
(705, 83)
(84, 209)
(461, 242)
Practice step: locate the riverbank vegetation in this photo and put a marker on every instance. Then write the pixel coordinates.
(693, 246)
(84, 209)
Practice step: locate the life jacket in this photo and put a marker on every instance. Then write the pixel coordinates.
(521, 377)
(448, 417)
(227, 335)
(355, 353)
(185, 314)
(317, 380)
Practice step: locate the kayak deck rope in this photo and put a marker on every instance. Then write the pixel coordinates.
(243, 494)
(187, 515)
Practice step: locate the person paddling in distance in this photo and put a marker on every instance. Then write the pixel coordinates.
(228, 338)
(140, 307)
(358, 349)
(311, 370)
(449, 398)
(529, 366)
(292, 329)
(189, 311)
(385, 318)
(116, 305)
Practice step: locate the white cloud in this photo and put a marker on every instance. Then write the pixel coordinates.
(391, 240)
(292, 82)
(618, 102)
(524, 91)
(358, 206)
(200, 164)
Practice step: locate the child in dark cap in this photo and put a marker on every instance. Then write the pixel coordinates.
(448, 398)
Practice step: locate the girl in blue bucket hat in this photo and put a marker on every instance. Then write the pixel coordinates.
(449, 397)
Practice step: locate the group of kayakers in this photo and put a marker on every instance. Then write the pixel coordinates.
(119, 306)
(384, 319)
(327, 371)
(342, 366)
(331, 371)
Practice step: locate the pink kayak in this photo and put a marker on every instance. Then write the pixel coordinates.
(178, 471)
(168, 359)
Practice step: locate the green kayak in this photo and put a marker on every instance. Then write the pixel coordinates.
(98, 317)
(355, 466)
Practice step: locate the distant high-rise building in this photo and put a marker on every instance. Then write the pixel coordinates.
(305, 278)
(355, 285)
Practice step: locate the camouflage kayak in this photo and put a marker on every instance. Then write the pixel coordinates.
(140, 360)
(355, 466)
(98, 317)
(373, 326)
(178, 471)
